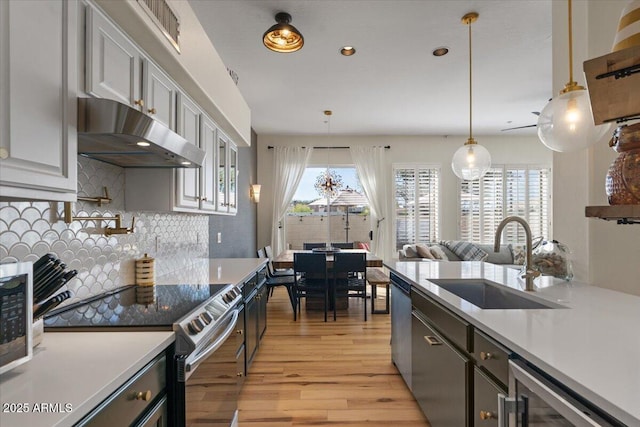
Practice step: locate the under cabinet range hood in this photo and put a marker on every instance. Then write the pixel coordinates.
(118, 134)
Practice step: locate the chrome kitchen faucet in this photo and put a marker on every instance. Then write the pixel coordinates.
(529, 274)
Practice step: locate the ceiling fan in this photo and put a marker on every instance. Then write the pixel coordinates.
(537, 113)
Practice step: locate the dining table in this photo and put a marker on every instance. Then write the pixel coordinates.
(285, 258)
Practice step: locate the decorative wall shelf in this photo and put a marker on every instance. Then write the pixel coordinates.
(622, 214)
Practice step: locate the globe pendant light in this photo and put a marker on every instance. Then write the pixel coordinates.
(566, 123)
(472, 160)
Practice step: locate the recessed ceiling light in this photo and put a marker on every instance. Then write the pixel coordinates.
(185, 163)
(440, 51)
(348, 50)
(142, 144)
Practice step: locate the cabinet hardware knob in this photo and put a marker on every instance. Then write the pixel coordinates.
(486, 415)
(432, 340)
(239, 332)
(485, 355)
(204, 199)
(239, 374)
(144, 395)
(151, 110)
(139, 102)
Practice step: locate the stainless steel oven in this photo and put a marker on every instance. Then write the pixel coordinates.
(208, 381)
(204, 385)
(535, 400)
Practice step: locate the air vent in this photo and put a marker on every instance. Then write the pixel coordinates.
(165, 18)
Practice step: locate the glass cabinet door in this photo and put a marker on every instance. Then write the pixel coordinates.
(223, 203)
(233, 177)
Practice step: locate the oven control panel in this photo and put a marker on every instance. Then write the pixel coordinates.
(194, 328)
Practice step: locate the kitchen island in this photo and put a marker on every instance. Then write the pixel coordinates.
(591, 344)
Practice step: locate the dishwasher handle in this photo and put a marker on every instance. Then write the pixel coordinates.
(190, 365)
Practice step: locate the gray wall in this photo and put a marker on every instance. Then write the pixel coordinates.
(239, 231)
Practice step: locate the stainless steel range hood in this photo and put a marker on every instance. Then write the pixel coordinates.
(115, 133)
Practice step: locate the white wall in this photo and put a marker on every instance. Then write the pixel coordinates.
(605, 254)
(509, 149)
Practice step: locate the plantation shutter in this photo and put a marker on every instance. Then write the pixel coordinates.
(405, 186)
(416, 205)
(515, 203)
(470, 211)
(492, 204)
(539, 198)
(427, 205)
(505, 191)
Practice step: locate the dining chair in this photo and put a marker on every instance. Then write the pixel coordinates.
(350, 278)
(276, 271)
(286, 281)
(308, 246)
(311, 279)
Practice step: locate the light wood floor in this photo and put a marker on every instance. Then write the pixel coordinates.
(309, 372)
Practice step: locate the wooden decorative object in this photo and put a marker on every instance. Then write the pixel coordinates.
(614, 85)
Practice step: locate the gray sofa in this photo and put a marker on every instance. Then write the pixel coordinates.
(504, 257)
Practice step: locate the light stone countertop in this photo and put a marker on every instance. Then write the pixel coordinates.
(214, 271)
(592, 346)
(77, 371)
(81, 369)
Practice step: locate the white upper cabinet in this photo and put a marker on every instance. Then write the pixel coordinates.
(112, 62)
(188, 180)
(233, 178)
(159, 95)
(208, 135)
(227, 173)
(38, 105)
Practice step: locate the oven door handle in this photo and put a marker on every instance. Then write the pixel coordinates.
(206, 352)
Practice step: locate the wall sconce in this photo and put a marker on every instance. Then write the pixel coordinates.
(255, 192)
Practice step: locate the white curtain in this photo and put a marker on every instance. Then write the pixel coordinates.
(370, 165)
(289, 164)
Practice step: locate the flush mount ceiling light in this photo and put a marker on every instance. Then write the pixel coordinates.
(566, 123)
(348, 50)
(472, 160)
(282, 37)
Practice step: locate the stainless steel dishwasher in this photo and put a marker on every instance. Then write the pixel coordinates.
(401, 326)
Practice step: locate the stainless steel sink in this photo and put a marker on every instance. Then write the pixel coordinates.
(488, 295)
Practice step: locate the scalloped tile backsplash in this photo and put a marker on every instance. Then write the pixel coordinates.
(29, 230)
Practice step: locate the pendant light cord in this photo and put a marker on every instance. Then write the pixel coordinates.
(470, 88)
(570, 47)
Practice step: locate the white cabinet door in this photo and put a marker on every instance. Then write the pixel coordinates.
(112, 62)
(159, 95)
(38, 105)
(207, 172)
(221, 172)
(233, 178)
(187, 180)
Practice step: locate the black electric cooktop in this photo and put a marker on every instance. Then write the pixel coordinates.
(134, 307)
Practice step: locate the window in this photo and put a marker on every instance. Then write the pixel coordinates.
(504, 191)
(416, 204)
(346, 220)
